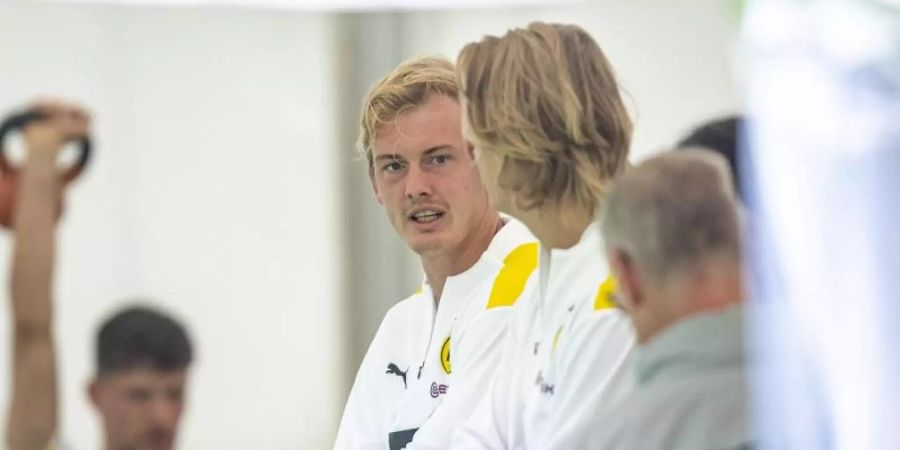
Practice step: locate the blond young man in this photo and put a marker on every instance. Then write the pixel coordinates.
(407, 394)
(543, 109)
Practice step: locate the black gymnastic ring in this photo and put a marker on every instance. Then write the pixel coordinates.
(20, 120)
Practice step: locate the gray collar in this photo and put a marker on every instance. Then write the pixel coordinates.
(695, 344)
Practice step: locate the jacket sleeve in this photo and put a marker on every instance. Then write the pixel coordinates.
(364, 424)
(477, 357)
(597, 374)
(488, 426)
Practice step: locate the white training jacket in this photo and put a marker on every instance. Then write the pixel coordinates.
(568, 350)
(406, 386)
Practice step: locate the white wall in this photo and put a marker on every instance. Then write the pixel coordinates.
(674, 59)
(210, 194)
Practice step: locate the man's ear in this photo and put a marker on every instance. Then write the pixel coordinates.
(630, 292)
(93, 392)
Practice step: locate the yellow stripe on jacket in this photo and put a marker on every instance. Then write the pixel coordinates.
(510, 282)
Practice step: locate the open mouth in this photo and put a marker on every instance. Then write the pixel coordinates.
(426, 215)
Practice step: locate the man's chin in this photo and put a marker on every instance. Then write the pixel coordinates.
(426, 245)
(159, 443)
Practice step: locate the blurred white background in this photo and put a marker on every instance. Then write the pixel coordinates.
(225, 186)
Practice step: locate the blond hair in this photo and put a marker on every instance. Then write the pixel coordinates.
(409, 85)
(546, 98)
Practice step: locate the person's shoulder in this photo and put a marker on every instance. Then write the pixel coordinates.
(710, 395)
(397, 320)
(597, 315)
(516, 250)
(413, 302)
(511, 235)
(601, 342)
(713, 406)
(404, 310)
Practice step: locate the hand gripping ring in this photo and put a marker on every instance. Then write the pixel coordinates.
(9, 183)
(20, 120)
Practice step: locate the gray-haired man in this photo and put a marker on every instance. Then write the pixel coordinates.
(671, 228)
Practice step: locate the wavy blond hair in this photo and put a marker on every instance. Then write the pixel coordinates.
(409, 85)
(545, 97)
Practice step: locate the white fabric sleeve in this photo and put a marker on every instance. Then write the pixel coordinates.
(597, 373)
(488, 425)
(363, 424)
(477, 356)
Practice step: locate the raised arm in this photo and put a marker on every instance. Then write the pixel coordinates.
(32, 419)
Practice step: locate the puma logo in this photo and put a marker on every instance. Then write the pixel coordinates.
(393, 369)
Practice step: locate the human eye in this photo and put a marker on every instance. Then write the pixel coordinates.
(439, 159)
(392, 166)
(139, 395)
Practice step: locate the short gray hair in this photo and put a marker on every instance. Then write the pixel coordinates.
(673, 211)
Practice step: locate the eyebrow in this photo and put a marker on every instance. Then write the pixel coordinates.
(389, 157)
(397, 157)
(436, 149)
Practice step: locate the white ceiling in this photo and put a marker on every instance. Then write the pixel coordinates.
(328, 5)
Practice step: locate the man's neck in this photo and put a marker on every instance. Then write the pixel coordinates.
(714, 287)
(556, 226)
(442, 265)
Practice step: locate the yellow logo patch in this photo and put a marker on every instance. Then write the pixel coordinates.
(445, 356)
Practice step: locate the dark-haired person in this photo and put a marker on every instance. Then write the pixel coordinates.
(722, 136)
(143, 356)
